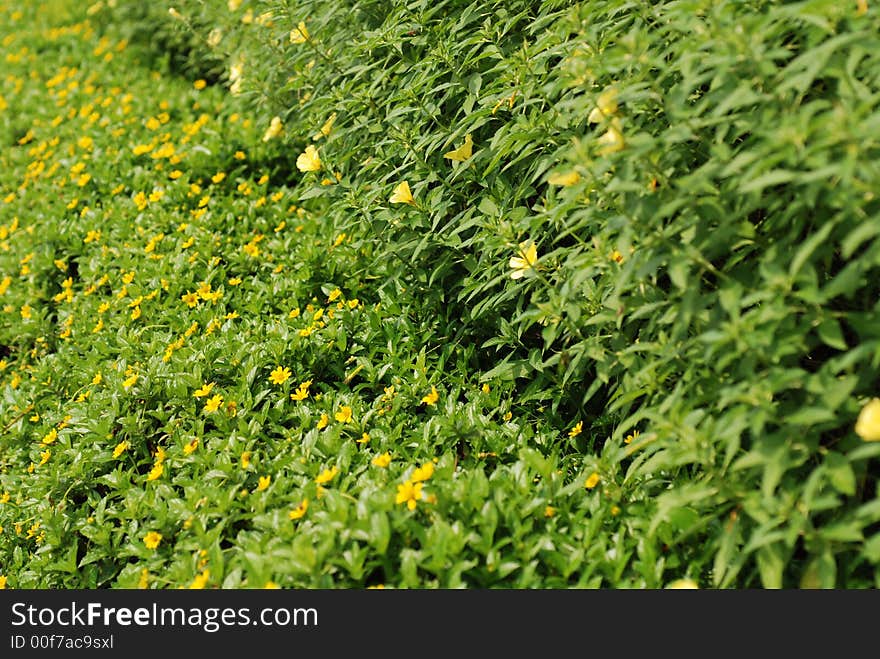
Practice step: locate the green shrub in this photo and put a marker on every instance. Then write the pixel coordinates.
(651, 228)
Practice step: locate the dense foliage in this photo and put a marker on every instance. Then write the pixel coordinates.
(440, 294)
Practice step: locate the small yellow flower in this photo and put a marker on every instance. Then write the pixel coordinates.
(463, 152)
(323, 421)
(2, 582)
(309, 160)
(274, 129)
(152, 539)
(156, 471)
(130, 381)
(612, 140)
(191, 446)
(299, 34)
(245, 460)
(592, 481)
(409, 493)
(200, 581)
(564, 179)
(402, 195)
(422, 473)
(302, 391)
(97, 379)
(382, 460)
(326, 128)
(631, 437)
(200, 84)
(300, 510)
(868, 423)
(190, 299)
(549, 511)
(204, 390)
(606, 106)
(577, 429)
(263, 483)
(279, 375)
(683, 584)
(526, 259)
(326, 476)
(213, 403)
(431, 397)
(344, 414)
(120, 449)
(50, 437)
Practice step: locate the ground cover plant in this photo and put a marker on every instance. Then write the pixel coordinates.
(439, 294)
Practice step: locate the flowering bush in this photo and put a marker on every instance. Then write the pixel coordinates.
(345, 294)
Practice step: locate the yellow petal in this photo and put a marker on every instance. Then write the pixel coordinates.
(308, 160)
(463, 152)
(402, 194)
(868, 423)
(568, 178)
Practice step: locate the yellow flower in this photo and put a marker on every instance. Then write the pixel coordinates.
(299, 34)
(422, 473)
(200, 84)
(156, 471)
(612, 140)
(2, 582)
(302, 391)
(683, 584)
(264, 483)
(97, 379)
(568, 178)
(578, 428)
(326, 476)
(300, 510)
(245, 459)
(432, 397)
(50, 437)
(120, 449)
(592, 481)
(308, 160)
(861, 7)
(344, 414)
(402, 195)
(213, 403)
(549, 511)
(130, 381)
(204, 390)
(200, 581)
(463, 152)
(190, 299)
(44, 456)
(382, 460)
(326, 128)
(274, 129)
(868, 423)
(279, 375)
(323, 421)
(526, 259)
(191, 446)
(409, 493)
(152, 539)
(631, 437)
(606, 106)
